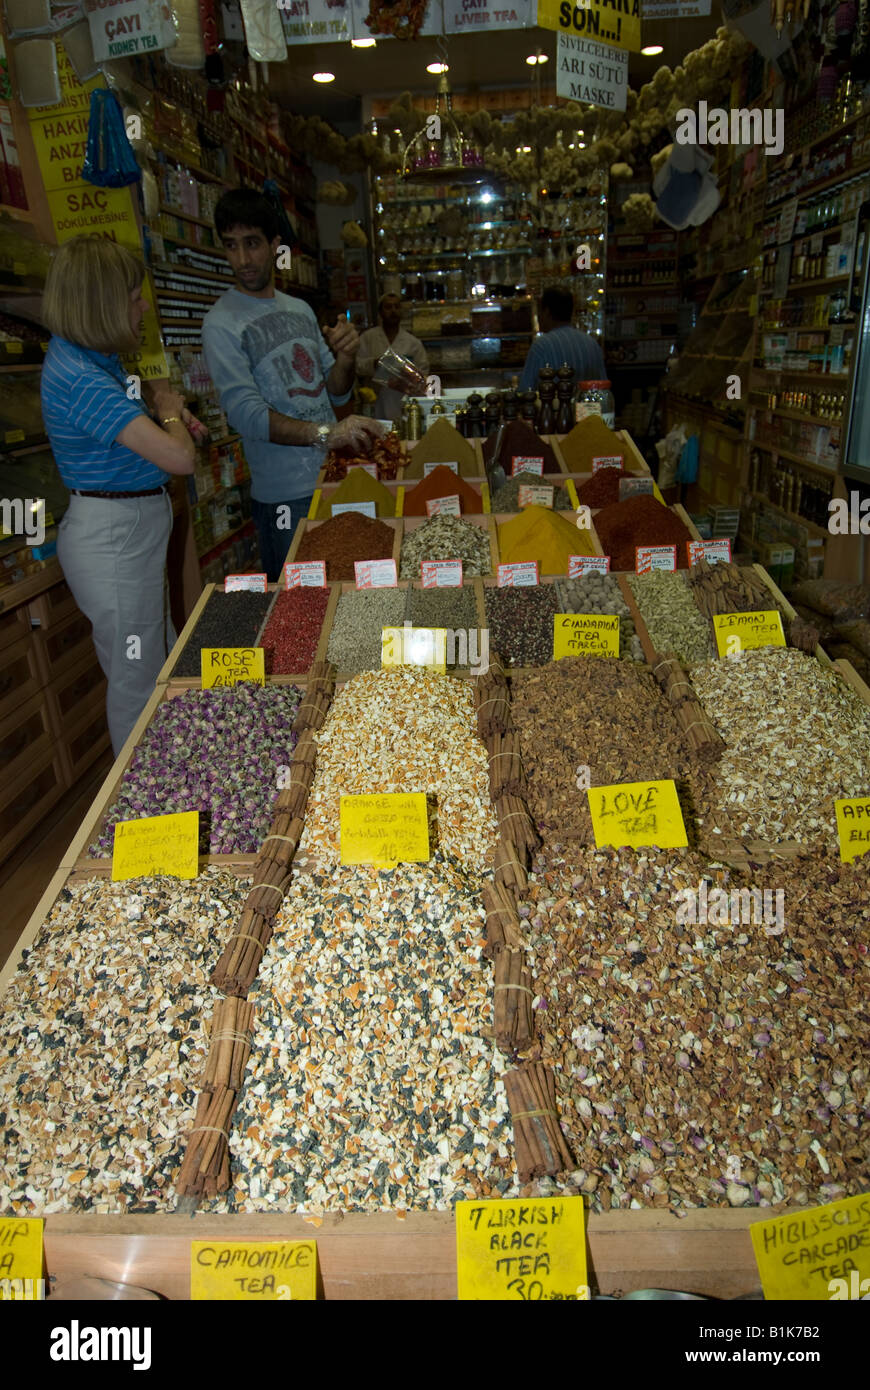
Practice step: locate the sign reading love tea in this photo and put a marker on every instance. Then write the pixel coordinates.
(636, 814)
(532, 1250)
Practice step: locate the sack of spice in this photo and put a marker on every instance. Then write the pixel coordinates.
(442, 443)
(441, 482)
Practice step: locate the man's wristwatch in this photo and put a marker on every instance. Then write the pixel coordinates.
(323, 433)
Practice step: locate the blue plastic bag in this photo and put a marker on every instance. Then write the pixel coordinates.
(109, 158)
(687, 469)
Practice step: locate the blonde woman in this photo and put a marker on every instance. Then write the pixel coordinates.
(115, 460)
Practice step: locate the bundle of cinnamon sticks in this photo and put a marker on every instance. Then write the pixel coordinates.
(512, 1006)
(515, 824)
(229, 1045)
(701, 733)
(505, 764)
(509, 873)
(540, 1145)
(237, 968)
(492, 700)
(502, 919)
(205, 1170)
(319, 690)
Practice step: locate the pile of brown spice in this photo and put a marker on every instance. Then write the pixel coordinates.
(639, 521)
(344, 539)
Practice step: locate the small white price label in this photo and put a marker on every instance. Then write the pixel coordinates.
(309, 574)
(443, 506)
(607, 461)
(441, 574)
(364, 508)
(522, 574)
(654, 557)
(578, 565)
(253, 583)
(375, 574)
(519, 464)
(430, 467)
(535, 496)
(714, 551)
(370, 468)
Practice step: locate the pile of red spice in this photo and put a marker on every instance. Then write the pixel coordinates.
(344, 539)
(441, 482)
(601, 490)
(518, 440)
(386, 454)
(639, 521)
(293, 630)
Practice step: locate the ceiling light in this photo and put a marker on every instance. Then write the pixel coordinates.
(652, 49)
(534, 58)
(363, 43)
(437, 67)
(323, 76)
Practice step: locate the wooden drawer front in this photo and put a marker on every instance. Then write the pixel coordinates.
(76, 695)
(64, 646)
(50, 609)
(24, 736)
(20, 674)
(14, 625)
(27, 800)
(85, 747)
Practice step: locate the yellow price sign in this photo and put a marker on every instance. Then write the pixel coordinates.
(822, 1254)
(232, 665)
(21, 1260)
(616, 22)
(739, 632)
(585, 634)
(853, 826)
(636, 814)
(415, 646)
(253, 1271)
(534, 1250)
(384, 830)
(157, 845)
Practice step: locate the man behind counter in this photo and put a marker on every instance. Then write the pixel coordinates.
(276, 377)
(560, 342)
(374, 343)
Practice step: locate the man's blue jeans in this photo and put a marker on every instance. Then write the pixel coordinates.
(276, 540)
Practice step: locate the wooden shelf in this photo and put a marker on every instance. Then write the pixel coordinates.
(29, 588)
(185, 216)
(163, 290)
(791, 516)
(844, 176)
(786, 413)
(191, 245)
(167, 268)
(18, 450)
(17, 214)
(197, 169)
(801, 285)
(793, 458)
(807, 376)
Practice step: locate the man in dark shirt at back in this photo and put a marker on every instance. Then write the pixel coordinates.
(560, 342)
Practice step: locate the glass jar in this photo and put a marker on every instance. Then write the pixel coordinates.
(595, 398)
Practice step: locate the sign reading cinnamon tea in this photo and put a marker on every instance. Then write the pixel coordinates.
(636, 814)
(585, 634)
(253, 1271)
(528, 1250)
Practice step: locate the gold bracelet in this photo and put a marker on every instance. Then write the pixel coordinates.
(172, 420)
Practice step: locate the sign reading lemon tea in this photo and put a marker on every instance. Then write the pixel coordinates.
(157, 845)
(853, 826)
(386, 830)
(253, 1271)
(585, 634)
(636, 814)
(21, 1259)
(822, 1253)
(414, 646)
(232, 665)
(739, 632)
(532, 1250)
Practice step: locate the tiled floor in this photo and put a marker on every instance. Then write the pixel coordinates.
(26, 874)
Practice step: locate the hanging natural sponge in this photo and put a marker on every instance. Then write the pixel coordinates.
(621, 171)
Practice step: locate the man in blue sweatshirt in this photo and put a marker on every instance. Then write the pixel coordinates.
(560, 342)
(277, 378)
